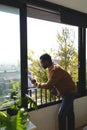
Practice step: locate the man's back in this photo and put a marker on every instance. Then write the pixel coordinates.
(62, 80)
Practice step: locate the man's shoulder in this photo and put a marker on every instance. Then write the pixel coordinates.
(57, 66)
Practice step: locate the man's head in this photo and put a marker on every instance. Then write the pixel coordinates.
(45, 60)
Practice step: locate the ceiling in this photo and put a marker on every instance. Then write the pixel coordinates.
(79, 5)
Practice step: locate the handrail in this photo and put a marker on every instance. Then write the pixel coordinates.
(41, 96)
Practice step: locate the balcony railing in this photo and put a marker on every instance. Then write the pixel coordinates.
(42, 96)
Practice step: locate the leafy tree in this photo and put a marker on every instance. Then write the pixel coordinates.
(68, 57)
(37, 71)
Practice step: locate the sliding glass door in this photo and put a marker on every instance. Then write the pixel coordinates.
(9, 55)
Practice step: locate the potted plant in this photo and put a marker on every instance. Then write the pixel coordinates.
(17, 122)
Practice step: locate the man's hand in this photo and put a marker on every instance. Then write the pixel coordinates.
(33, 81)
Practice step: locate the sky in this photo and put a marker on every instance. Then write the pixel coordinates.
(41, 36)
(9, 38)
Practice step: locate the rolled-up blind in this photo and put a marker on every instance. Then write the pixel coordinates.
(42, 13)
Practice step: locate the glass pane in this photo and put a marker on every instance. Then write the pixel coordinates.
(9, 55)
(60, 41)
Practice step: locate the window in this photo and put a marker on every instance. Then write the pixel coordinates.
(9, 55)
(43, 36)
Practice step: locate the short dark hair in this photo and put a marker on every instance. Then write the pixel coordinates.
(46, 57)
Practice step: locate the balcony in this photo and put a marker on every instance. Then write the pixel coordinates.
(42, 96)
(46, 118)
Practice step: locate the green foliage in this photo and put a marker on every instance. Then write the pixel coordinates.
(67, 53)
(32, 102)
(37, 71)
(16, 123)
(15, 93)
(15, 84)
(19, 120)
(27, 100)
(4, 119)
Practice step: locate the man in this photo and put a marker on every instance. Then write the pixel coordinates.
(59, 79)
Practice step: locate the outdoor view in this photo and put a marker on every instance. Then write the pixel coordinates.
(9, 55)
(59, 40)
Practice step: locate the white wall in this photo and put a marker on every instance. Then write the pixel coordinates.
(47, 118)
(80, 106)
(73, 4)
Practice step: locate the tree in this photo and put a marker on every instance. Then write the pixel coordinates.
(68, 57)
(37, 71)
